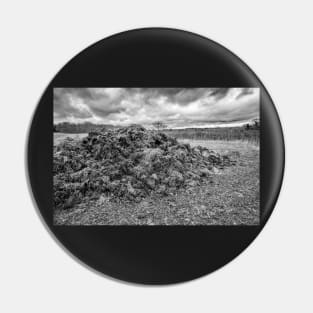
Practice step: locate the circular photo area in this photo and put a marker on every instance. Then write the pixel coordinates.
(155, 156)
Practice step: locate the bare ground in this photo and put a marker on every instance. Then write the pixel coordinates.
(230, 197)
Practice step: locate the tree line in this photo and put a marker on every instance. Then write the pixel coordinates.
(86, 127)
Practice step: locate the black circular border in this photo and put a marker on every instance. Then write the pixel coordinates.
(154, 57)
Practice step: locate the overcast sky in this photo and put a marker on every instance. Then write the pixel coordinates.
(177, 107)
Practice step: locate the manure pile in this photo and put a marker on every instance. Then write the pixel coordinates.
(128, 164)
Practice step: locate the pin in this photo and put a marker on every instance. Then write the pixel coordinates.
(155, 156)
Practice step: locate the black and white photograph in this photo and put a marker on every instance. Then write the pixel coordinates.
(156, 156)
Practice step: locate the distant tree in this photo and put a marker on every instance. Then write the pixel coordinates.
(256, 124)
(135, 125)
(247, 126)
(158, 125)
(55, 129)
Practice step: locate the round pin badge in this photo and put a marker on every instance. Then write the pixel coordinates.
(155, 156)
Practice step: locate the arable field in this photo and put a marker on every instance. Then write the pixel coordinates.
(251, 134)
(59, 137)
(229, 197)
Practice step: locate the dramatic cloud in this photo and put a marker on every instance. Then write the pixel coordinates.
(177, 107)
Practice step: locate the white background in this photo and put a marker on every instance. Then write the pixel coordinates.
(274, 38)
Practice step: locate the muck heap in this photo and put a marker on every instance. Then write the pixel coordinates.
(128, 164)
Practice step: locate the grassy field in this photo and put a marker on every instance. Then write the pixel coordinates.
(219, 133)
(230, 196)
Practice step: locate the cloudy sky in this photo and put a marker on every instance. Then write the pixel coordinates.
(177, 107)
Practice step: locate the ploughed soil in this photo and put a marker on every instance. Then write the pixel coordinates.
(213, 183)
